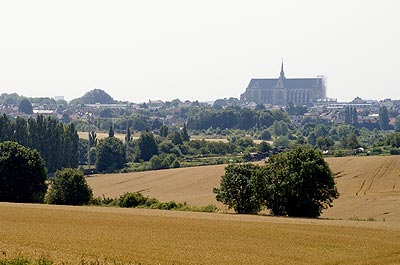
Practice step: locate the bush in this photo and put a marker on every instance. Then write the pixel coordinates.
(69, 187)
(130, 199)
(22, 174)
(395, 151)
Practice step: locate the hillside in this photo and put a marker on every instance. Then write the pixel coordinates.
(369, 187)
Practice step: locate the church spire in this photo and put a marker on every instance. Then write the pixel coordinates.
(282, 72)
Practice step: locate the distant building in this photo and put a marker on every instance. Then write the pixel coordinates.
(57, 98)
(282, 91)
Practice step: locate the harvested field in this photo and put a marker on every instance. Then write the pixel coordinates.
(101, 135)
(109, 235)
(369, 186)
(191, 184)
(121, 136)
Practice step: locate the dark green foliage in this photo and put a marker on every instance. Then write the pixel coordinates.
(132, 200)
(264, 147)
(265, 135)
(350, 115)
(164, 131)
(92, 139)
(92, 97)
(282, 142)
(83, 149)
(56, 143)
(110, 155)
(69, 187)
(128, 136)
(299, 183)
(22, 174)
(185, 134)
(164, 161)
(233, 117)
(147, 146)
(241, 188)
(177, 138)
(324, 142)
(25, 106)
(393, 139)
(383, 118)
(106, 113)
(280, 128)
(350, 141)
(111, 132)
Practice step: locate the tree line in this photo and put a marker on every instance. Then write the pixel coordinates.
(233, 118)
(57, 143)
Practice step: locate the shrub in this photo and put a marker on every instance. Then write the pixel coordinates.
(131, 200)
(395, 151)
(69, 187)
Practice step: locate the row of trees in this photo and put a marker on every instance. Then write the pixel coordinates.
(294, 183)
(24, 179)
(233, 117)
(56, 143)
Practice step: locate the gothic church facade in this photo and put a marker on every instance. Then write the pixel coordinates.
(282, 91)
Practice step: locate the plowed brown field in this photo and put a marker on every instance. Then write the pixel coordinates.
(113, 235)
(369, 186)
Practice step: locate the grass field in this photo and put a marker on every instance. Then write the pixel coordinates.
(113, 235)
(369, 186)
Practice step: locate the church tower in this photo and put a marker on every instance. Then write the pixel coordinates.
(280, 93)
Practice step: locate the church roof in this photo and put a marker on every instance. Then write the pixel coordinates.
(289, 83)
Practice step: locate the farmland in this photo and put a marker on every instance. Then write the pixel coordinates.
(363, 227)
(109, 235)
(369, 187)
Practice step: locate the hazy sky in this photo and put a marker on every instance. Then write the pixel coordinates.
(197, 50)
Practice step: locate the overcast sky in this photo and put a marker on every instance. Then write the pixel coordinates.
(197, 50)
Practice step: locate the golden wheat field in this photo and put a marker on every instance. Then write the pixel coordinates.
(369, 187)
(140, 236)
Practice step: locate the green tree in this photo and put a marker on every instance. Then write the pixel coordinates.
(265, 135)
(185, 134)
(22, 174)
(177, 138)
(383, 118)
(25, 106)
(92, 138)
(110, 155)
(147, 146)
(241, 188)
(164, 131)
(299, 183)
(69, 187)
(264, 147)
(111, 132)
(128, 136)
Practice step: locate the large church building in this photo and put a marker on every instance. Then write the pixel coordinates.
(282, 91)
